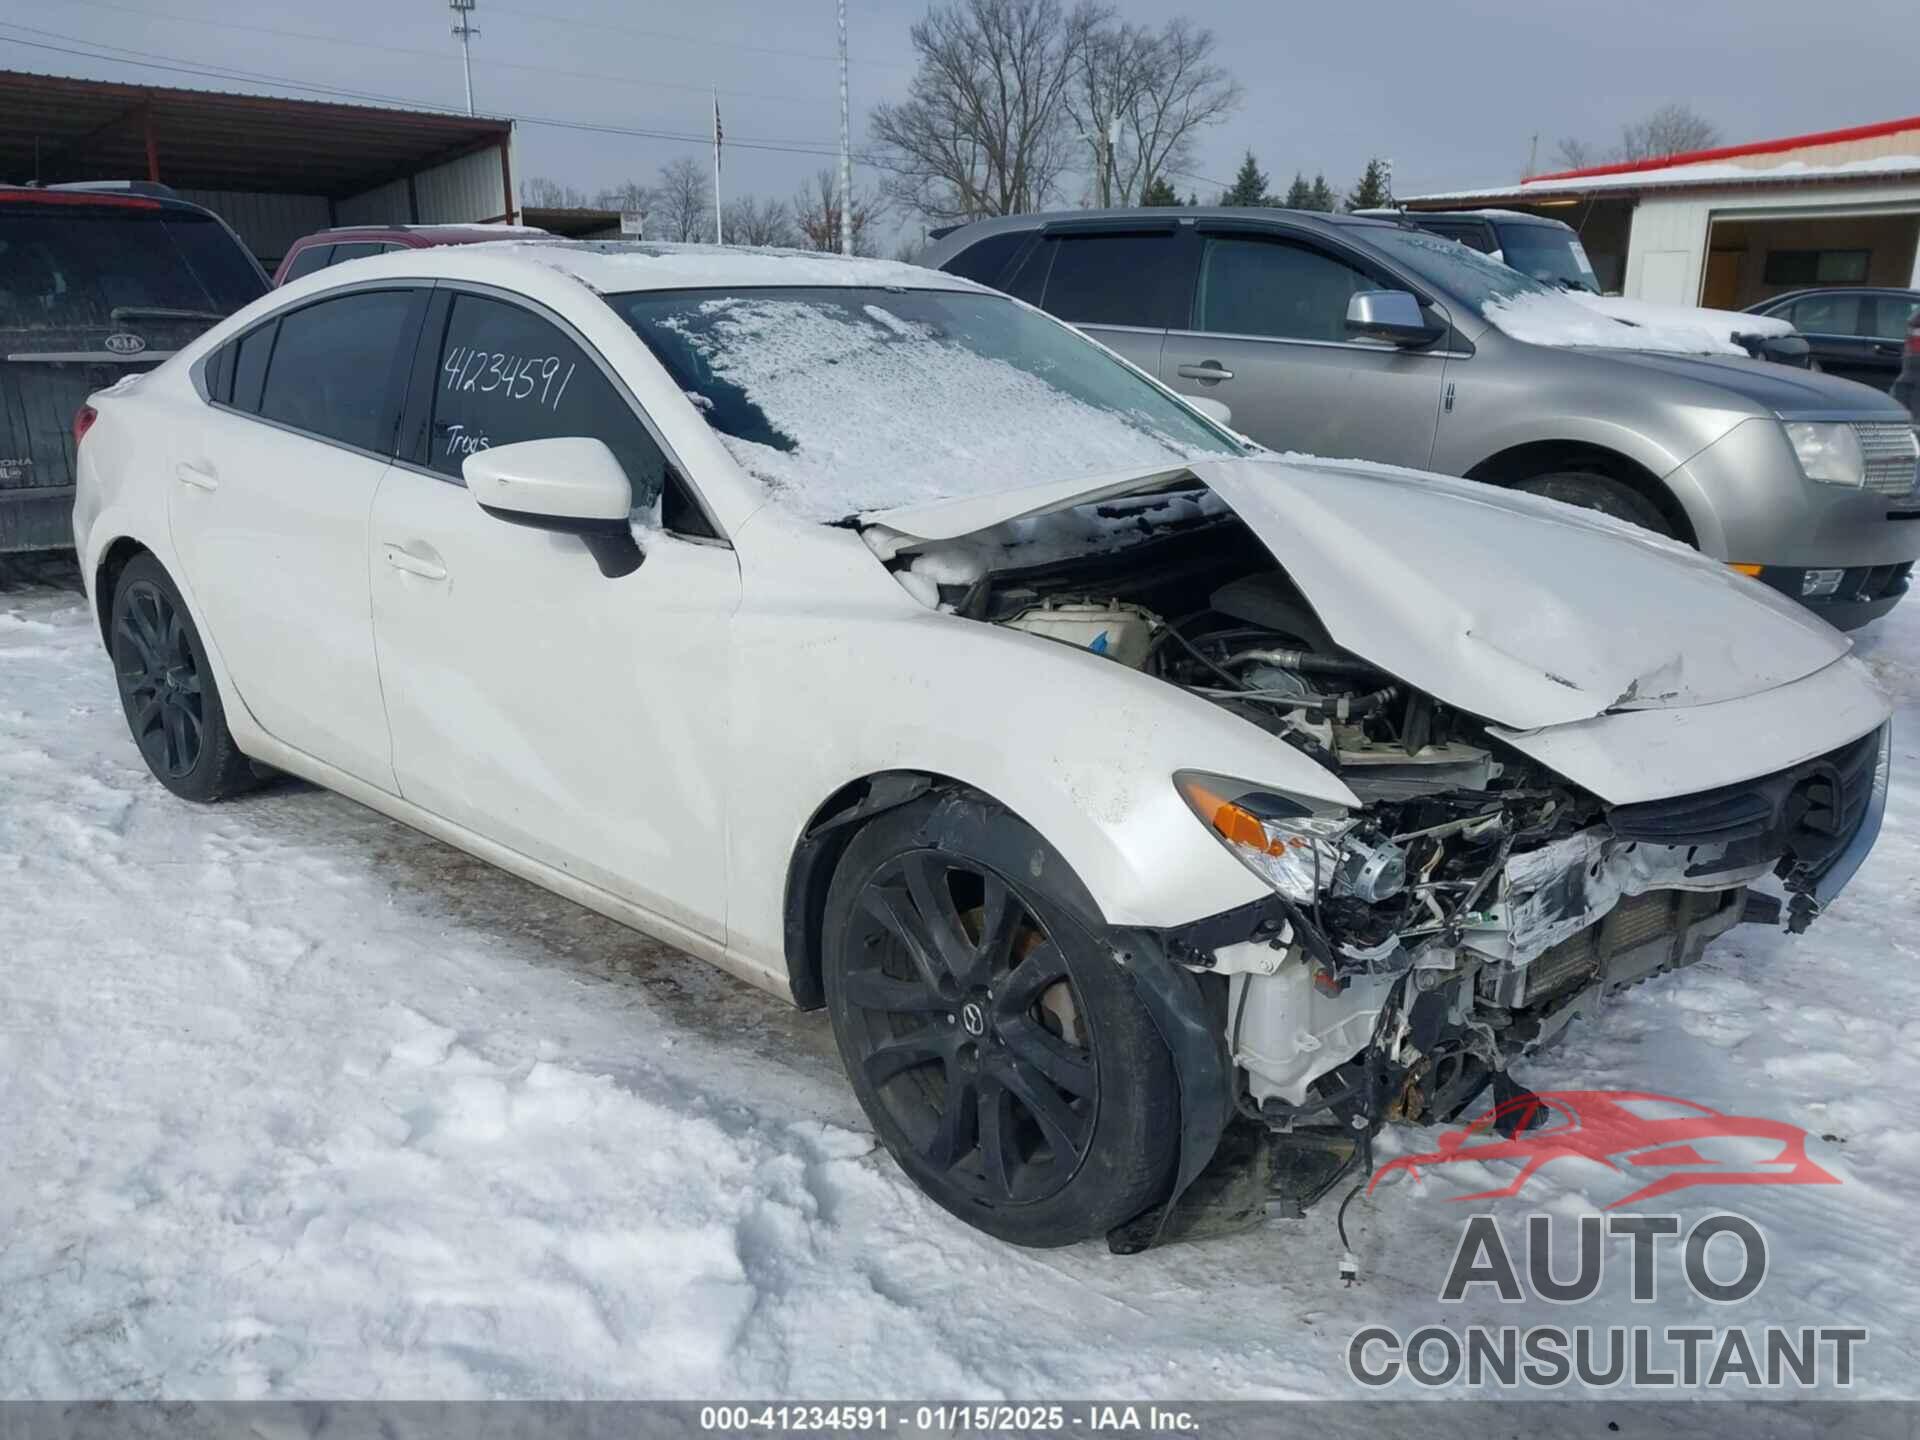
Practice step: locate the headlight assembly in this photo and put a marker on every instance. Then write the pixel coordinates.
(1301, 853)
(1829, 452)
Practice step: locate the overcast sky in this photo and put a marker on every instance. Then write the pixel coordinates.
(1452, 90)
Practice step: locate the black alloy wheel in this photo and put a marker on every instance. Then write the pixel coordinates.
(993, 1039)
(970, 1028)
(160, 682)
(167, 688)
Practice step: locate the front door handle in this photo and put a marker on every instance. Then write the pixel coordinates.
(1207, 370)
(196, 476)
(401, 558)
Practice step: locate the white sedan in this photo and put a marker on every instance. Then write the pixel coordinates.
(1138, 803)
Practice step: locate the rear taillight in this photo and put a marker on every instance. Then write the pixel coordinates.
(83, 419)
(1913, 342)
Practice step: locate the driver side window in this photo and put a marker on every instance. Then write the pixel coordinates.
(1275, 288)
(505, 375)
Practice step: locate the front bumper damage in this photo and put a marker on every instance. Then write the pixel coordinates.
(1288, 1059)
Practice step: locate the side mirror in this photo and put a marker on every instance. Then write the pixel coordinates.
(571, 485)
(1390, 315)
(1217, 411)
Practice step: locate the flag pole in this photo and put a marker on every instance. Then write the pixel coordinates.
(718, 238)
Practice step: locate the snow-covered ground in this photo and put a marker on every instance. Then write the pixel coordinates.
(295, 1102)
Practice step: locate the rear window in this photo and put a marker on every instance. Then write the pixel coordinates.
(81, 267)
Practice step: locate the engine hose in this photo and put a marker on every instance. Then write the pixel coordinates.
(1309, 660)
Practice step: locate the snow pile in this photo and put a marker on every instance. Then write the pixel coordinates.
(1722, 325)
(881, 413)
(1551, 319)
(299, 1103)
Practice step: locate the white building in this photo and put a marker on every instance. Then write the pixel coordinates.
(1731, 226)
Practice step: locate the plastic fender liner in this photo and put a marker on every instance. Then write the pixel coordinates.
(1198, 1044)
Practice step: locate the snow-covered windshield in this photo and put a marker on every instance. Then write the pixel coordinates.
(844, 400)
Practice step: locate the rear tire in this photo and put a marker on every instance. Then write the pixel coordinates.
(1600, 492)
(167, 689)
(992, 1039)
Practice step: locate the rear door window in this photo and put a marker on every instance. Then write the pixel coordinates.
(356, 250)
(1891, 316)
(507, 375)
(1106, 279)
(338, 367)
(1275, 288)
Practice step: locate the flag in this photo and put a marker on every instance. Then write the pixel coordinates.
(719, 133)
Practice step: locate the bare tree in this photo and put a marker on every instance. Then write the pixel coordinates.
(628, 195)
(816, 210)
(750, 221)
(1571, 153)
(1669, 130)
(682, 208)
(984, 129)
(1139, 97)
(544, 193)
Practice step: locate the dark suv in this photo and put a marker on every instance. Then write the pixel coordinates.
(95, 283)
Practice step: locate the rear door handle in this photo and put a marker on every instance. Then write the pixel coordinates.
(401, 558)
(194, 475)
(1206, 370)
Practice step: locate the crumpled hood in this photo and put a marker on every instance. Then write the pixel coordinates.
(1522, 610)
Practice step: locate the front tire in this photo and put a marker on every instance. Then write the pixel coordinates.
(167, 690)
(994, 1042)
(1600, 492)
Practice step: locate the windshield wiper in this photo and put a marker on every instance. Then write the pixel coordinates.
(161, 312)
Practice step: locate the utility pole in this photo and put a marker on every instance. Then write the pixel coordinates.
(463, 27)
(1533, 154)
(846, 145)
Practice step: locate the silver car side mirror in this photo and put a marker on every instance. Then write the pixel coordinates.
(1390, 315)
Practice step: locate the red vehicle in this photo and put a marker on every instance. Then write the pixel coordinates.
(1626, 1131)
(356, 242)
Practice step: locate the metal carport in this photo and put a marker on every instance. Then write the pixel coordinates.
(274, 168)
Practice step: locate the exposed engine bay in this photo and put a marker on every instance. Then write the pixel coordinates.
(1472, 905)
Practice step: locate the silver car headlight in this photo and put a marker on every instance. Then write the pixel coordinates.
(1299, 851)
(1829, 452)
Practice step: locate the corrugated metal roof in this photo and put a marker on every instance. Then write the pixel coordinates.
(56, 128)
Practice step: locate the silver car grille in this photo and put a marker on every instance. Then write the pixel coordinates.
(1888, 448)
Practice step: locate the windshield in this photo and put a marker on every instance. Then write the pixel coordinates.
(75, 266)
(1550, 255)
(1454, 268)
(859, 399)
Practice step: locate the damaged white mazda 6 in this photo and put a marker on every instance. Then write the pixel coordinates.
(1154, 816)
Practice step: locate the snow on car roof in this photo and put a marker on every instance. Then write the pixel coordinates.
(617, 266)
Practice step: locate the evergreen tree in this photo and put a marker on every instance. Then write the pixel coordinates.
(1249, 186)
(1160, 193)
(1193, 200)
(1322, 195)
(1371, 192)
(1300, 194)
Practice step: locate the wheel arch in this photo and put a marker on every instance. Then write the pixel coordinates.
(1541, 457)
(106, 580)
(832, 827)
